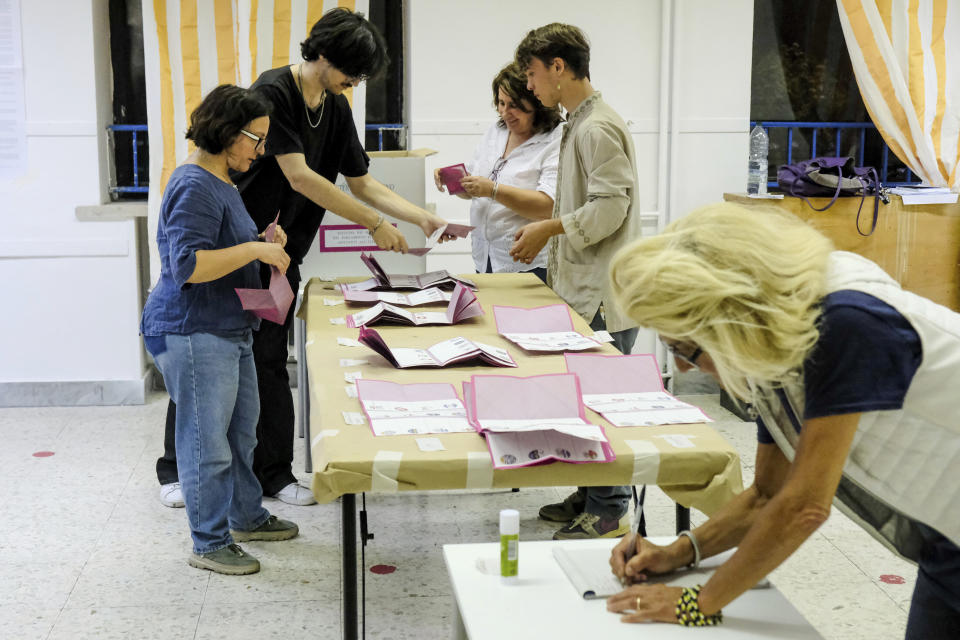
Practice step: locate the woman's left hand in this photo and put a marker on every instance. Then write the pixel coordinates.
(477, 187)
(646, 603)
(279, 236)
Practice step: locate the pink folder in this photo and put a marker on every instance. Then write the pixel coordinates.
(272, 303)
(463, 304)
(544, 398)
(451, 178)
(548, 319)
(636, 373)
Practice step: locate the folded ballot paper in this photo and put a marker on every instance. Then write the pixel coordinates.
(400, 409)
(454, 350)
(427, 296)
(449, 229)
(535, 420)
(381, 280)
(628, 390)
(547, 328)
(463, 304)
(272, 303)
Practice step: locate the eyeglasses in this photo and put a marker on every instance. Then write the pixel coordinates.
(674, 350)
(497, 167)
(261, 142)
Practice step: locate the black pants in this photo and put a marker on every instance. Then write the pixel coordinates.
(273, 457)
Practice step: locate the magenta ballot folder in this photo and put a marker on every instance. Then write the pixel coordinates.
(451, 178)
(273, 302)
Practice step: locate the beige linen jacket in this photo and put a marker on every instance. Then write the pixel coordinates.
(597, 204)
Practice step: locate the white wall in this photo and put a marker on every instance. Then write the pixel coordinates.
(70, 288)
(456, 47)
(74, 285)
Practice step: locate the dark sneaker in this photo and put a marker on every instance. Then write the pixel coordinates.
(273, 529)
(587, 526)
(565, 511)
(231, 560)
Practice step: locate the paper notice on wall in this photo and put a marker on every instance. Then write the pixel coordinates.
(13, 131)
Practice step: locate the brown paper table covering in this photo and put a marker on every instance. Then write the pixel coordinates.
(350, 459)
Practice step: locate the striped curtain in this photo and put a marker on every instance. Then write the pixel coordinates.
(906, 56)
(191, 46)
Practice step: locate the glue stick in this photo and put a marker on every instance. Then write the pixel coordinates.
(509, 544)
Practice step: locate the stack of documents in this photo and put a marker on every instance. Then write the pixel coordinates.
(628, 390)
(547, 328)
(925, 195)
(400, 409)
(463, 304)
(432, 295)
(535, 420)
(382, 280)
(454, 350)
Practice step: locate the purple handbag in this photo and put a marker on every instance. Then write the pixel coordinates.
(832, 178)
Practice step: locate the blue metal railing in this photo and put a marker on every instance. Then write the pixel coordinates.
(857, 128)
(133, 129)
(380, 128)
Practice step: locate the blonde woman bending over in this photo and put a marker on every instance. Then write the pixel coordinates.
(853, 379)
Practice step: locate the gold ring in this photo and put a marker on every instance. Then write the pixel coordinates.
(637, 608)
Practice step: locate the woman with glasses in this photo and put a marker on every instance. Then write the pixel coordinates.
(854, 380)
(513, 174)
(200, 336)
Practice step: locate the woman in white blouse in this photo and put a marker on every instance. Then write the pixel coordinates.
(513, 174)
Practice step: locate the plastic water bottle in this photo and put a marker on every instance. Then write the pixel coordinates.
(757, 165)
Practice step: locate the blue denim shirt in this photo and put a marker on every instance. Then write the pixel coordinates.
(199, 212)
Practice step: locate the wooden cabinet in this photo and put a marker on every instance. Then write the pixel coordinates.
(918, 245)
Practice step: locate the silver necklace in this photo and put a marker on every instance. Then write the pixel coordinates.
(306, 109)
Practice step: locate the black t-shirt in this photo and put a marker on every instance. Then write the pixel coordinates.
(329, 149)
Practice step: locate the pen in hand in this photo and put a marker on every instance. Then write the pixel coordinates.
(632, 549)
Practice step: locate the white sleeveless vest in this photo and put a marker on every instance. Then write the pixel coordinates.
(903, 465)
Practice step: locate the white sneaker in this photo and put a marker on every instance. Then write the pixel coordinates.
(295, 493)
(171, 495)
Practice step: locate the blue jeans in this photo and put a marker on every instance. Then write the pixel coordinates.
(609, 502)
(213, 381)
(935, 607)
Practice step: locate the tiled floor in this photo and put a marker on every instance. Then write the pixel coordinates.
(88, 552)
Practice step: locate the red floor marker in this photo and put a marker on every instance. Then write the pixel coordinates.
(382, 569)
(889, 578)
(43, 454)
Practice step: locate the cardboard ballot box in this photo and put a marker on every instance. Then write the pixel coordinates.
(336, 250)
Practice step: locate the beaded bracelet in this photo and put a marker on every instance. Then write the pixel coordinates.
(377, 226)
(688, 610)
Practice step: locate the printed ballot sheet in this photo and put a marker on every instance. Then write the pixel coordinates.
(548, 328)
(628, 391)
(449, 229)
(534, 420)
(273, 302)
(463, 304)
(454, 350)
(433, 295)
(382, 280)
(412, 409)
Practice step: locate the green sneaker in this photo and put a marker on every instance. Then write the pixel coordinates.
(230, 560)
(565, 511)
(273, 529)
(588, 526)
